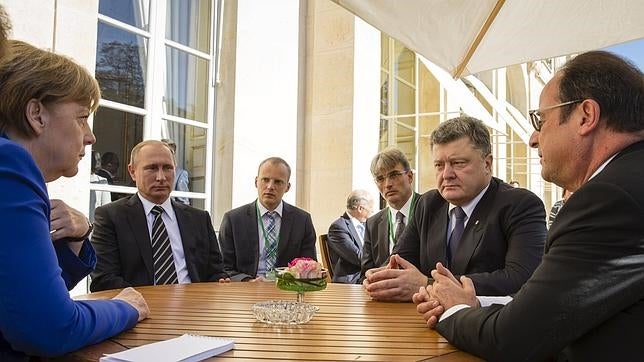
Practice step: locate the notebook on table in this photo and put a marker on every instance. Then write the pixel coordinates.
(188, 348)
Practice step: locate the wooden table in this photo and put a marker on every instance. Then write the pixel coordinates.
(348, 326)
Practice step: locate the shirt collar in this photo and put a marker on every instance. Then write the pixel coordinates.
(263, 210)
(602, 166)
(166, 205)
(404, 210)
(470, 206)
(354, 221)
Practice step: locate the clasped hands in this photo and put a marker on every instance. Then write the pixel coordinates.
(446, 291)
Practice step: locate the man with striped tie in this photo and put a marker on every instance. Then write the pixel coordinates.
(149, 239)
(267, 233)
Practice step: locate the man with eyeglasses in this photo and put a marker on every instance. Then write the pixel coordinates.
(476, 224)
(394, 177)
(585, 301)
(268, 233)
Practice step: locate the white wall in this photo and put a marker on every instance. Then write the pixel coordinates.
(266, 92)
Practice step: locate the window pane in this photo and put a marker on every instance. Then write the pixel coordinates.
(190, 154)
(117, 132)
(186, 85)
(127, 11)
(120, 65)
(188, 23)
(405, 63)
(405, 99)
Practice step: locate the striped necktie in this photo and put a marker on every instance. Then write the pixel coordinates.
(164, 270)
(271, 236)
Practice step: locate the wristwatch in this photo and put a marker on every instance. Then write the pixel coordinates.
(90, 227)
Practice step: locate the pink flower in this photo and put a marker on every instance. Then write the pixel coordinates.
(305, 268)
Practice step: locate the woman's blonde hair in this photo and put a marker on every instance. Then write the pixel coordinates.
(27, 73)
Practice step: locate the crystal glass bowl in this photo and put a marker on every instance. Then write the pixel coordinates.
(283, 312)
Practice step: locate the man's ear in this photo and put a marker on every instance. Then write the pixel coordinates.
(288, 187)
(590, 115)
(34, 116)
(131, 169)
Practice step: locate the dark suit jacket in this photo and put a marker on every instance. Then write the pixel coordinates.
(240, 239)
(501, 245)
(124, 250)
(587, 295)
(345, 250)
(375, 251)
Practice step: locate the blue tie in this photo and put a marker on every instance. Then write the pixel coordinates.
(455, 236)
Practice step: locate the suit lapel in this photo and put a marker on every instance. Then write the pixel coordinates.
(438, 237)
(473, 233)
(285, 232)
(252, 233)
(352, 230)
(382, 246)
(186, 229)
(139, 226)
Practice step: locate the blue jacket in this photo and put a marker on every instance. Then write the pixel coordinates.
(37, 315)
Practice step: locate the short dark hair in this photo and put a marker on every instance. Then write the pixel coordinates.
(463, 126)
(613, 82)
(276, 161)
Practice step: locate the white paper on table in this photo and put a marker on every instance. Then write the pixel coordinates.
(188, 347)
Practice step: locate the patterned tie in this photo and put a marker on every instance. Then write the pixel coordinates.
(164, 270)
(400, 226)
(457, 232)
(271, 236)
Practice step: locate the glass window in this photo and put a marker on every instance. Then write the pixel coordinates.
(120, 65)
(131, 12)
(189, 143)
(188, 23)
(117, 132)
(186, 85)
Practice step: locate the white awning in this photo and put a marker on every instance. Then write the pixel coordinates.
(469, 36)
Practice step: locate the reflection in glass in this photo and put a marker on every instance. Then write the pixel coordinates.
(190, 155)
(188, 23)
(120, 65)
(117, 132)
(186, 85)
(132, 12)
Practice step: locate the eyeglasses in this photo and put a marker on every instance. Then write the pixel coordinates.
(535, 117)
(391, 176)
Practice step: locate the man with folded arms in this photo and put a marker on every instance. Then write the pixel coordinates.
(477, 224)
(585, 301)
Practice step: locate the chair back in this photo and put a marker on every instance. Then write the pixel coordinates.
(326, 259)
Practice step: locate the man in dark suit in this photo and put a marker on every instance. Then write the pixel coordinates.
(585, 301)
(395, 178)
(123, 236)
(346, 236)
(500, 239)
(267, 233)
